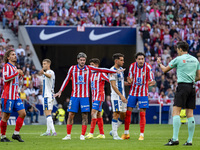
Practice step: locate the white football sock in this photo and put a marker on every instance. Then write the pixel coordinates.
(51, 125)
(126, 131)
(119, 122)
(114, 128)
(141, 134)
(48, 124)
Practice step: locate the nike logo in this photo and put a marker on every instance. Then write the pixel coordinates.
(44, 36)
(94, 37)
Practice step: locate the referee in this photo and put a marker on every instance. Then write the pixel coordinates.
(188, 71)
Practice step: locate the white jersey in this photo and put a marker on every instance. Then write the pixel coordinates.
(119, 78)
(48, 84)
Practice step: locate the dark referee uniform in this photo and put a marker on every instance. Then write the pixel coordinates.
(187, 67)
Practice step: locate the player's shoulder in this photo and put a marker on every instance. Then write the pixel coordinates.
(132, 64)
(113, 68)
(148, 66)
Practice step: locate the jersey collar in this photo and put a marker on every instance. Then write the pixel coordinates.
(140, 67)
(10, 64)
(80, 68)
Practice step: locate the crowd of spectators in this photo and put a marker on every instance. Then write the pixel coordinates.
(93, 13)
(163, 24)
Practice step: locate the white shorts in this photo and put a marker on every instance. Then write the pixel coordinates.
(118, 105)
(48, 103)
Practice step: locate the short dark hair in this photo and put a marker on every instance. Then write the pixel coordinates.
(20, 44)
(47, 60)
(183, 45)
(139, 54)
(95, 61)
(117, 55)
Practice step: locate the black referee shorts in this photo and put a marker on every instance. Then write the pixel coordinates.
(185, 96)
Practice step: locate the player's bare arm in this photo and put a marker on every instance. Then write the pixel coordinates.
(163, 68)
(197, 78)
(113, 84)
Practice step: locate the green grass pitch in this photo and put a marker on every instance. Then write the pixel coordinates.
(155, 137)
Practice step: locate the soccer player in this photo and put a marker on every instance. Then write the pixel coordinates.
(188, 70)
(140, 76)
(98, 95)
(80, 75)
(10, 98)
(48, 90)
(118, 100)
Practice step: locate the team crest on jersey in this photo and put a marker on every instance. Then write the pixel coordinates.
(4, 73)
(92, 83)
(80, 78)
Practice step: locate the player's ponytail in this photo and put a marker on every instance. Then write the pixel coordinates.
(7, 54)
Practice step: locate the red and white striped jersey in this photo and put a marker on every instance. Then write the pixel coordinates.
(11, 82)
(97, 86)
(81, 79)
(140, 77)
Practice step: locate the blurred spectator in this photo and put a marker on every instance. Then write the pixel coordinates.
(31, 112)
(20, 50)
(65, 107)
(27, 79)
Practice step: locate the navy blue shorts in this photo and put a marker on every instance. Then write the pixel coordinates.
(75, 102)
(142, 101)
(8, 106)
(97, 105)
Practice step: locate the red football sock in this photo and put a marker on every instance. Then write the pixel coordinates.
(84, 128)
(142, 121)
(69, 128)
(127, 119)
(93, 124)
(3, 127)
(100, 125)
(19, 124)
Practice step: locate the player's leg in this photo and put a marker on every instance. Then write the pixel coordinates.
(85, 108)
(72, 109)
(100, 122)
(4, 120)
(122, 114)
(142, 122)
(7, 107)
(143, 105)
(50, 125)
(94, 112)
(132, 101)
(19, 107)
(49, 119)
(114, 125)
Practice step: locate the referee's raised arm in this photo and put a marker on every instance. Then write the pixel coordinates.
(188, 71)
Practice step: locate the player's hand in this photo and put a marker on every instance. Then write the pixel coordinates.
(130, 80)
(158, 60)
(20, 72)
(120, 70)
(41, 72)
(151, 83)
(124, 100)
(58, 94)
